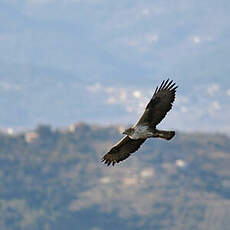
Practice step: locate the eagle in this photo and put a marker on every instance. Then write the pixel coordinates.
(157, 108)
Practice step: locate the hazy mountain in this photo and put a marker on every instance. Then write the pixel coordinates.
(53, 179)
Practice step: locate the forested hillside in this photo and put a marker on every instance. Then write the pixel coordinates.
(53, 179)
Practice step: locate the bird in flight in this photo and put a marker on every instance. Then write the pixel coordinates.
(155, 111)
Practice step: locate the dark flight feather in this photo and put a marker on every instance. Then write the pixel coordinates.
(122, 150)
(159, 105)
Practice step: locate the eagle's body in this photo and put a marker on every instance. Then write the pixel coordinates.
(155, 111)
(141, 132)
(144, 132)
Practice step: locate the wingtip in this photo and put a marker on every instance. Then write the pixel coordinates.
(161, 85)
(174, 89)
(108, 162)
(168, 85)
(166, 82)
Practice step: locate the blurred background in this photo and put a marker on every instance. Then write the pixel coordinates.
(73, 73)
(99, 61)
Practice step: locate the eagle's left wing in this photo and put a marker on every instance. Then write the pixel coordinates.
(122, 150)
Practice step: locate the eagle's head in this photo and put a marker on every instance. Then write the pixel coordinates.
(129, 131)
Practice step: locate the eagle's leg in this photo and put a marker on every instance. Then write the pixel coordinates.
(167, 135)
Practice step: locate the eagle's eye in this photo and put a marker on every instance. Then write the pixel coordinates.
(125, 132)
(128, 131)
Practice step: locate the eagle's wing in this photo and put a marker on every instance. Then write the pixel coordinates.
(122, 150)
(159, 105)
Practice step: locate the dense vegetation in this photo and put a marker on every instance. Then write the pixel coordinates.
(53, 179)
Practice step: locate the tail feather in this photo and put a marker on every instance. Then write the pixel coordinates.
(167, 135)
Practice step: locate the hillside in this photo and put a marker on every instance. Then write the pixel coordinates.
(53, 179)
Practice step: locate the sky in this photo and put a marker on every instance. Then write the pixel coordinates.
(99, 61)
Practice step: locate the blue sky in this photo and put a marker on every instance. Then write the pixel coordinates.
(99, 61)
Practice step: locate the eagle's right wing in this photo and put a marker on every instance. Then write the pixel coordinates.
(122, 150)
(159, 105)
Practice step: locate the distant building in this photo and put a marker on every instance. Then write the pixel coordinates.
(31, 136)
(180, 163)
(10, 131)
(81, 126)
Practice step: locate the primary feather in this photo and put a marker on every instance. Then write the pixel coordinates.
(122, 150)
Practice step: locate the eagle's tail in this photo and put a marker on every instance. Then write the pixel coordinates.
(167, 135)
